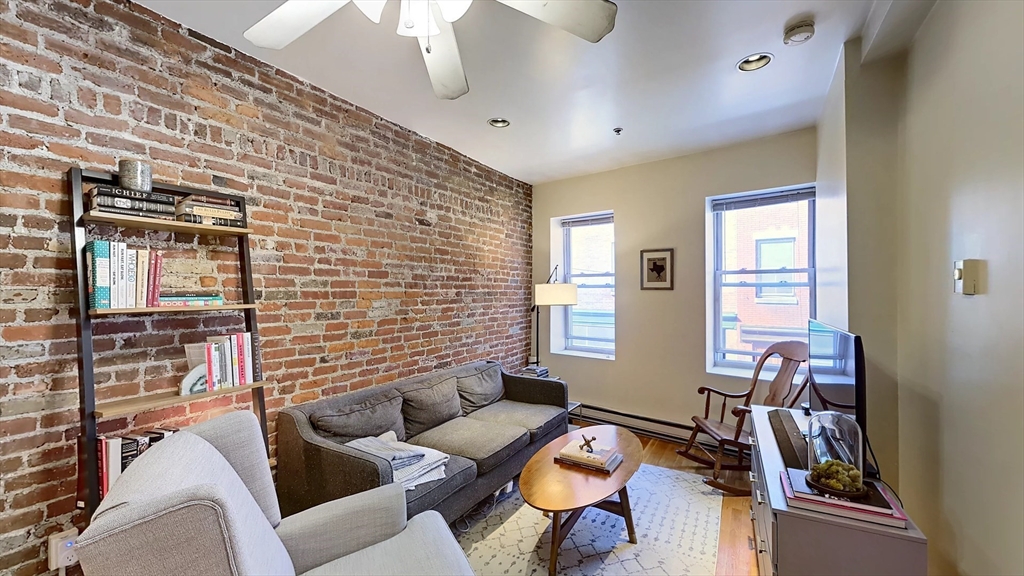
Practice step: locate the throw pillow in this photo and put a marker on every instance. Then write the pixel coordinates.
(429, 404)
(371, 417)
(480, 389)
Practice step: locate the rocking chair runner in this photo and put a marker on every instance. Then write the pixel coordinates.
(725, 434)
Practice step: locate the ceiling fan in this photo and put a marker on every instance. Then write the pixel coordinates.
(430, 22)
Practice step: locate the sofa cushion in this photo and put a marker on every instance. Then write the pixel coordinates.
(539, 419)
(426, 547)
(371, 417)
(458, 472)
(482, 388)
(428, 404)
(486, 443)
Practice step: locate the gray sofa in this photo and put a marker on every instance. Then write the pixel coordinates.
(202, 502)
(491, 428)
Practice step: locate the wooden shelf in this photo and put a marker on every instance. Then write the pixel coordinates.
(94, 217)
(166, 310)
(163, 399)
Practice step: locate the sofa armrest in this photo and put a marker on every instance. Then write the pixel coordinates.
(312, 470)
(329, 531)
(535, 390)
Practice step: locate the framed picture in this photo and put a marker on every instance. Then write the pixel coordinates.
(657, 269)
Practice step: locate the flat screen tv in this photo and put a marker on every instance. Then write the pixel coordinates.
(837, 362)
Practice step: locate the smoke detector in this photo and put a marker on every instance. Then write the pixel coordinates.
(798, 33)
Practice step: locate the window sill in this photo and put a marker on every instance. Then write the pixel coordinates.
(767, 373)
(582, 354)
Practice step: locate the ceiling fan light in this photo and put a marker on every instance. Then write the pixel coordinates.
(372, 9)
(452, 10)
(416, 19)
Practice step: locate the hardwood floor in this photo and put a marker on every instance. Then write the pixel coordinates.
(737, 555)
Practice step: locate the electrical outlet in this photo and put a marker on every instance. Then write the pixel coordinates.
(62, 549)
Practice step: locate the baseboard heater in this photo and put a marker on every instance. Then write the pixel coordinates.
(617, 418)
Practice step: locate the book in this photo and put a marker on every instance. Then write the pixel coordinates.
(239, 358)
(158, 275)
(108, 190)
(139, 213)
(122, 275)
(115, 291)
(151, 286)
(599, 457)
(131, 277)
(874, 501)
(257, 358)
(247, 337)
(209, 367)
(896, 519)
(210, 220)
(112, 462)
(610, 467)
(103, 202)
(200, 209)
(101, 458)
(142, 279)
(191, 294)
(129, 451)
(210, 200)
(97, 266)
(185, 303)
(155, 436)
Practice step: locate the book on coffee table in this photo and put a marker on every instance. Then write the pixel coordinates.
(608, 468)
(600, 455)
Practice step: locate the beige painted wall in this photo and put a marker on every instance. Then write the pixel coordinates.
(858, 180)
(961, 358)
(660, 350)
(830, 205)
(874, 100)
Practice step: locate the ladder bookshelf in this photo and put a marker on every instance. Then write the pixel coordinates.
(90, 411)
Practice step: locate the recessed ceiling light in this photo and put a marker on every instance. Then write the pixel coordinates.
(754, 62)
(499, 122)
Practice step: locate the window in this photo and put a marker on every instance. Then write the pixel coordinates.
(775, 253)
(763, 269)
(589, 248)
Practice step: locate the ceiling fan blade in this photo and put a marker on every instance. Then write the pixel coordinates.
(444, 64)
(289, 21)
(372, 9)
(588, 19)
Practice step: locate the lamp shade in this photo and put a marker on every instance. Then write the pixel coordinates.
(555, 294)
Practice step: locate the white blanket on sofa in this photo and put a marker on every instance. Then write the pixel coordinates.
(410, 465)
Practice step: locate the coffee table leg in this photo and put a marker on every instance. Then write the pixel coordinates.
(627, 514)
(556, 541)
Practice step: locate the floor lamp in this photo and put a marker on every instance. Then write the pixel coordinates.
(550, 294)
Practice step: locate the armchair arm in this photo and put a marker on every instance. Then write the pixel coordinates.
(329, 531)
(312, 470)
(706, 389)
(535, 390)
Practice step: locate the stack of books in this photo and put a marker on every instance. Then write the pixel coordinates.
(536, 371)
(209, 210)
(229, 360)
(114, 200)
(117, 452)
(603, 458)
(878, 506)
(122, 277)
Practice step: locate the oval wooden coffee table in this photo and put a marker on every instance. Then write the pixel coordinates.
(566, 491)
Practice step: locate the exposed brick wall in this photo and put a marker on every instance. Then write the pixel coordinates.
(378, 253)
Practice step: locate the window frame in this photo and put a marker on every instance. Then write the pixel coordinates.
(717, 357)
(567, 225)
(774, 297)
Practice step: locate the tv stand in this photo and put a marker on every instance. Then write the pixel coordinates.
(792, 541)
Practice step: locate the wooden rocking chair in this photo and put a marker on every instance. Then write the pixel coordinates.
(731, 435)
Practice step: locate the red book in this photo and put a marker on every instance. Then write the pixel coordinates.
(151, 287)
(240, 346)
(209, 367)
(159, 279)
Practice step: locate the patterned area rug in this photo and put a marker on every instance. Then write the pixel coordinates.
(675, 515)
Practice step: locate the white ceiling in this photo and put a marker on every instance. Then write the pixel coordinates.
(666, 74)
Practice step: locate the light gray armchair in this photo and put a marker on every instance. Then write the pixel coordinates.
(203, 502)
